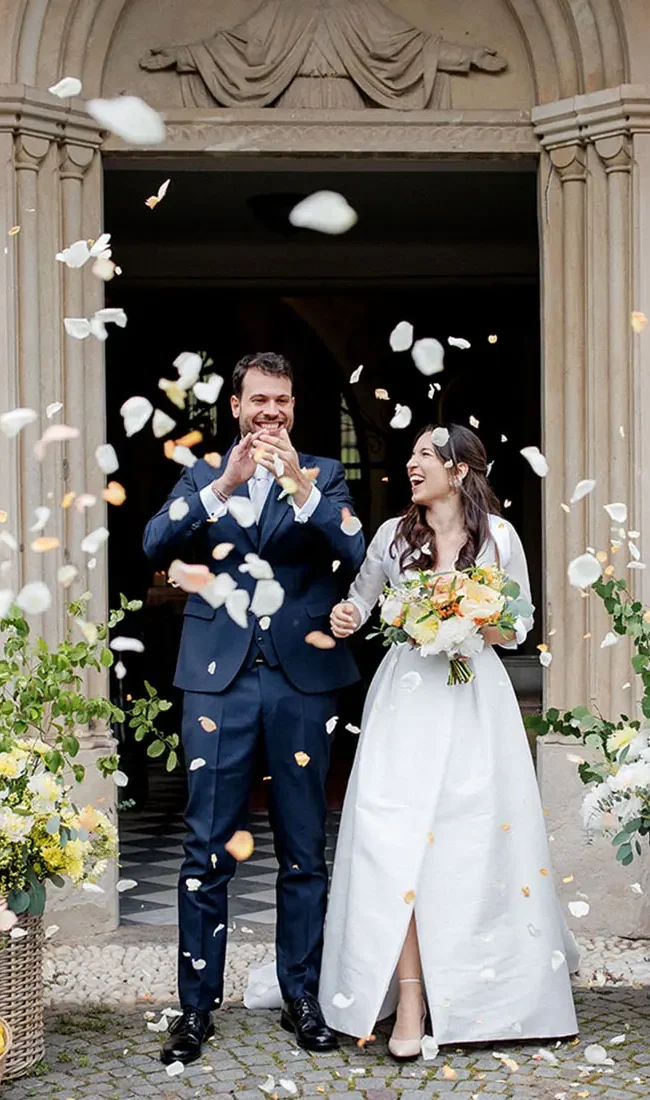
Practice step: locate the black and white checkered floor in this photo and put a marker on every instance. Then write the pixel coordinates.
(151, 853)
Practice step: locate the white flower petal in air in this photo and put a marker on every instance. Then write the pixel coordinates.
(120, 778)
(356, 375)
(6, 600)
(75, 255)
(617, 512)
(265, 622)
(193, 884)
(56, 433)
(634, 551)
(242, 511)
(636, 888)
(189, 365)
(130, 118)
(584, 570)
(42, 515)
(120, 670)
(339, 1000)
(124, 644)
(34, 598)
(8, 540)
(78, 327)
(402, 417)
(199, 964)
(267, 598)
(66, 575)
(440, 437)
(101, 247)
(428, 356)
(410, 681)
(178, 509)
(458, 342)
(135, 412)
(401, 338)
(197, 763)
(536, 459)
(113, 315)
(237, 606)
(52, 409)
(325, 212)
(545, 658)
(582, 489)
(67, 87)
(356, 730)
(208, 391)
(162, 424)
(106, 458)
(98, 328)
(14, 421)
(259, 569)
(557, 958)
(92, 542)
(350, 525)
(579, 908)
(216, 590)
(184, 456)
(331, 724)
(609, 640)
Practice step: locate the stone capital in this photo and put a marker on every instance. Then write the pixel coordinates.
(615, 153)
(30, 152)
(75, 160)
(570, 162)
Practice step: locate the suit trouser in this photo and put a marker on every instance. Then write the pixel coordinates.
(261, 703)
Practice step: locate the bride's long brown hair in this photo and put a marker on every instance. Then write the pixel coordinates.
(414, 540)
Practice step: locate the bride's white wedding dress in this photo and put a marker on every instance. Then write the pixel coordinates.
(442, 818)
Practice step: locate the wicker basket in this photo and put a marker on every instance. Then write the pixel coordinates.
(21, 995)
(6, 1030)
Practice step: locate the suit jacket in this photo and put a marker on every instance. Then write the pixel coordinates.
(301, 556)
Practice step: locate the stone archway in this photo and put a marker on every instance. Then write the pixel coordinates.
(569, 98)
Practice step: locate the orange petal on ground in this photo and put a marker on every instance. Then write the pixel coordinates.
(361, 1043)
(45, 543)
(449, 1074)
(302, 759)
(320, 640)
(213, 458)
(241, 845)
(207, 724)
(114, 493)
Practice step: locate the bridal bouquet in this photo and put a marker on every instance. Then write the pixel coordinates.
(444, 613)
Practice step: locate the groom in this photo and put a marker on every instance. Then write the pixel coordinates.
(258, 682)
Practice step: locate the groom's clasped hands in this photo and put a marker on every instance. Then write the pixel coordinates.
(276, 453)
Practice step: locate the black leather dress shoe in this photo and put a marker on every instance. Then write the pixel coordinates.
(186, 1037)
(304, 1017)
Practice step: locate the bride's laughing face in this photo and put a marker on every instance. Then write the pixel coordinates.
(427, 474)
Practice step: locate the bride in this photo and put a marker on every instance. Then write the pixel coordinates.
(442, 891)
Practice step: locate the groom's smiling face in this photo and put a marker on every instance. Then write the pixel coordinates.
(265, 405)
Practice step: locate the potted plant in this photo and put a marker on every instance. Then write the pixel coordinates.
(45, 834)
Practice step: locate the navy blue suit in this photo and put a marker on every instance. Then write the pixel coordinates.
(254, 685)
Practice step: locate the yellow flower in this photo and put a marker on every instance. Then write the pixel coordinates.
(420, 632)
(480, 602)
(12, 764)
(620, 738)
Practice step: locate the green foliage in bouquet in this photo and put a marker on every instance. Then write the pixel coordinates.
(44, 700)
(619, 804)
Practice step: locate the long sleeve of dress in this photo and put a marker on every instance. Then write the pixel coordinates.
(517, 569)
(369, 582)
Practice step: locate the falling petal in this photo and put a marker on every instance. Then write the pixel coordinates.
(617, 512)
(382, 395)
(440, 437)
(218, 589)
(331, 724)
(325, 212)
(77, 327)
(66, 575)
(92, 542)
(402, 417)
(34, 598)
(237, 607)
(240, 846)
(193, 884)
(609, 640)
(242, 511)
(6, 600)
(120, 670)
(135, 412)
(582, 489)
(197, 763)
(184, 457)
(106, 458)
(545, 659)
(584, 570)
(209, 390)
(114, 493)
(162, 424)
(289, 485)
(302, 759)
(353, 729)
(410, 681)
(85, 500)
(536, 459)
(11, 423)
(153, 200)
(222, 549)
(42, 515)
(401, 338)
(124, 644)
(56, 433)
(45, 543)
(66, 88)
(428, 356)
(212, 667)
(8, 540)
(639, 321)
(130, 118)
(635, 887)
(350, 525)
(53, 409)
(458, 342)
(336, 565)
(578, 908)
(75, 256)
(207, 724)
(356, 375)
(267, 598)
(120, 778)
(104, 268)
(318, 640)
(339, 1000)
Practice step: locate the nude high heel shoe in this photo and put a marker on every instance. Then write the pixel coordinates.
(406, 1049)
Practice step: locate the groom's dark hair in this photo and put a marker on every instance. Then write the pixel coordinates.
(270, 362)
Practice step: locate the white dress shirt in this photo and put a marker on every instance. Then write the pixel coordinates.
(259, 487)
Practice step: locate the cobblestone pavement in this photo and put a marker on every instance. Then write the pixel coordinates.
(104, 1054)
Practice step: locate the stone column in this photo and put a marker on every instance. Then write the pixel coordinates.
(595, 399)
(52, 189)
